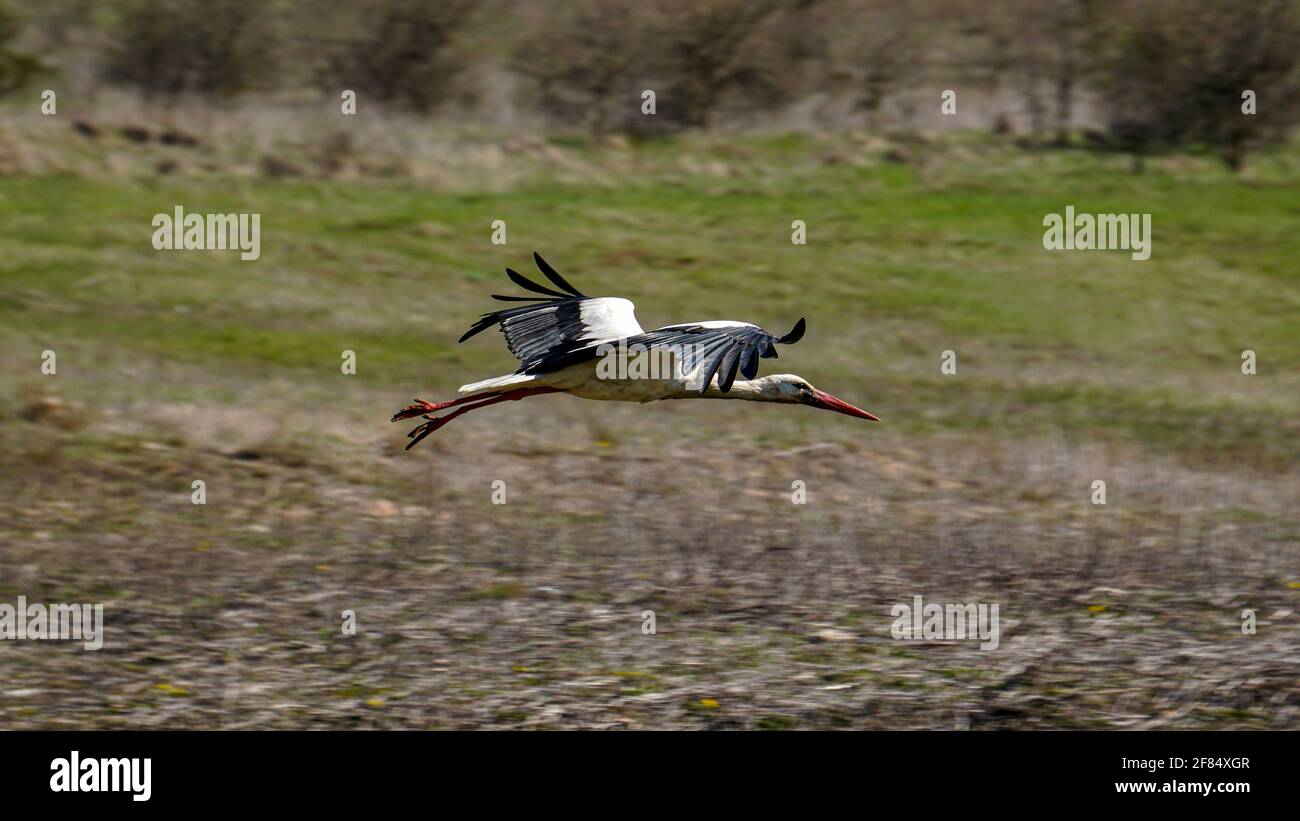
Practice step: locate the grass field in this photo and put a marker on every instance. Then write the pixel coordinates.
(1072, 367)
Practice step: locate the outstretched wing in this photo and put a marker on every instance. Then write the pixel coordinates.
(546, 335)
(706, 349)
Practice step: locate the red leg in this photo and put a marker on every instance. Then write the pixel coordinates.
(434, 424)
(420, 408)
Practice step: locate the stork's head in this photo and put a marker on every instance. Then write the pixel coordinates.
(792, 388)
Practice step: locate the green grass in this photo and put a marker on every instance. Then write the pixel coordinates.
(1071, 366)
(902, 262)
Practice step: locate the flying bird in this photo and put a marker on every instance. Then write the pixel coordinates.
(593, 348)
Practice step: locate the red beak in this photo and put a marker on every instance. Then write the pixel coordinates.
(825, 401)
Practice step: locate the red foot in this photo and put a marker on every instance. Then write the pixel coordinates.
(427, 428)
(420, 408)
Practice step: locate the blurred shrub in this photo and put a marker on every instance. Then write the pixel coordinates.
(1162, 73)
(713, 48)
(873, 49)
(1172, 72)
(591, 60)
(16, 68)
(396, 51)
(1038, 48)
(173, 47)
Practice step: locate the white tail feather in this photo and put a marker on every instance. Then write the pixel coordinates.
(496, 383)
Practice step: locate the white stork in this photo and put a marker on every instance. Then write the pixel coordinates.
(563, 336)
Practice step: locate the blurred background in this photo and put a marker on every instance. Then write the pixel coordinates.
(924, 235)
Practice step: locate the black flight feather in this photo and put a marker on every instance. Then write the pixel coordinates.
(546, 335)
(710, 370)
(796, 334)
(554, 276)
(528, 285)
(730, 363)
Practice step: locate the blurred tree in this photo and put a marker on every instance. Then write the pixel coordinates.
(396, 51)
(1173, 73)
(16, 67)
(710, 47)
(877, 45)
(590, 61)
(166, 48)
(1074, 30)
(1041, 48)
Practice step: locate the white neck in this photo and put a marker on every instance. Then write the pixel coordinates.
(763, 389)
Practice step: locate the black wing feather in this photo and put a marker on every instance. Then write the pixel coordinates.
(749, 363)
(546, 334)
(528, 285)
(796, 333)
(554, 276)
(719, 352)
(730, 364)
